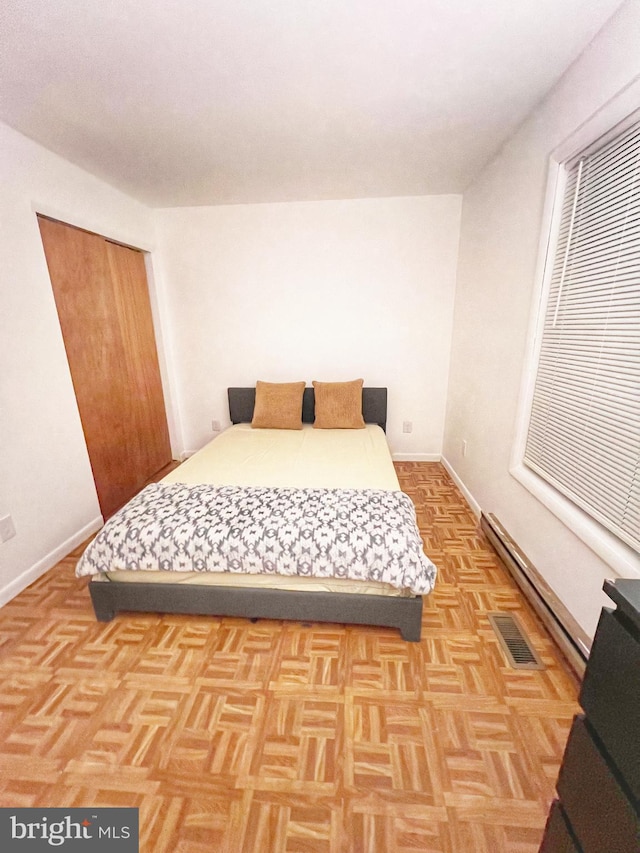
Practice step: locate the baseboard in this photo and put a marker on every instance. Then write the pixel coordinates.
(473, 503)
(34, 572)
(567, 633)
(416, 457)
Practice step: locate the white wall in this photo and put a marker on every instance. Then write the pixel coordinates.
(501, 226)
(45, 478)
(329, 290)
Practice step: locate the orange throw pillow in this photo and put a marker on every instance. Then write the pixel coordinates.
(338, 405)
(278, 405)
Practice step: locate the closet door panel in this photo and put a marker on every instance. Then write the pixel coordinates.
(150, 440)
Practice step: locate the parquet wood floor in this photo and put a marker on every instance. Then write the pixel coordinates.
(232, 736)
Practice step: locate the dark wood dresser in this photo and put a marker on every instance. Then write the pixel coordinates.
(598, 805)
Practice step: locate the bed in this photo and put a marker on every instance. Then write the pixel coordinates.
(247, 473)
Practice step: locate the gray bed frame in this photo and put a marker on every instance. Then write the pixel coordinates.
(403, 613)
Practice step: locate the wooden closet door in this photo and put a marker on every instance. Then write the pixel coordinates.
(151, 449)
(102, 298)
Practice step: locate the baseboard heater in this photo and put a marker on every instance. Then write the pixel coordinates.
(573, 642)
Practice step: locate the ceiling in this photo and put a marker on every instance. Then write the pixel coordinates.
(202, 102)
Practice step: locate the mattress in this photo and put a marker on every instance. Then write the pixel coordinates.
(243, 456)
(255, 581)
(306, 458)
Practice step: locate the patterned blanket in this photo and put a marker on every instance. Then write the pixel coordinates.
(361, 534)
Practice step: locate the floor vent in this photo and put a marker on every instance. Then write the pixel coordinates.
(514, 641)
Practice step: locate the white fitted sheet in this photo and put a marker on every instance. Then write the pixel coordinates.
(292, 582)
(311, 458)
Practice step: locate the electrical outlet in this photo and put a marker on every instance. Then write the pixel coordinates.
(7, 528)
(464, 447)
(407, 426)
(215, 426)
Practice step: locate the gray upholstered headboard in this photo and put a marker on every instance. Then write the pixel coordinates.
(374, 405)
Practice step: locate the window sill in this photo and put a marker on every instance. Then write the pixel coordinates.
(622, 559)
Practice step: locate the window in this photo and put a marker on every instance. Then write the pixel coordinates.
(584, 428)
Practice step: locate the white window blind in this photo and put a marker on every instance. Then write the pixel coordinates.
(584, 429)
